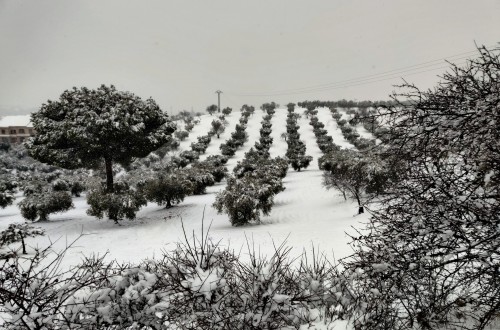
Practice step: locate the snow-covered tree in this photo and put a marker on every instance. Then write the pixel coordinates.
(218, 127)
(85, 127)
(247, 110)
(41, 199)
(211, 109)
(167, 188)
(228, 148)
(357, 175)
(8, 187)
(200, 177)
(300, 161)
(227, 111)
(123, 202)
(189, 155)
(269, 108)
(198, 148)
(181, 135)
(246, 197)
(16, 232)
(431, 258)
(189, 127)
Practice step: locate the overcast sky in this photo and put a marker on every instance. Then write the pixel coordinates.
(181, 52)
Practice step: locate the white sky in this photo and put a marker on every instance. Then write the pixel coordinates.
(181, 52)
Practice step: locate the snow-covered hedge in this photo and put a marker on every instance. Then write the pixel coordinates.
(197, 285)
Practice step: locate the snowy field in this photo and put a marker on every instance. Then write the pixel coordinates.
(305, 214)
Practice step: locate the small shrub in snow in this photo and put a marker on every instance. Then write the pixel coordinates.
(181, 135)
(218, 127)
(200, 177)
(228, 148)
(217, 160)
(246, 197)
(300, 161)
(211, 109)
(123, 202)
(360, 176)
(247, 110)
(8, 187)
(41, 200)
(198, 147)
(18, 232)
(167, 188)
(189, 155)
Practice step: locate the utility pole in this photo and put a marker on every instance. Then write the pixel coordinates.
(218, 97)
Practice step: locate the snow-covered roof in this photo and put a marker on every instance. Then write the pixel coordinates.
(23, 120)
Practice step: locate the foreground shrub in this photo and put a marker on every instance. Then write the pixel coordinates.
(18, 232)
(197, 285)
(431, 256)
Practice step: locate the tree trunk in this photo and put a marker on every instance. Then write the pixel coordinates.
(361, 209)
(22, 243)
(109, 174)
(169, 204)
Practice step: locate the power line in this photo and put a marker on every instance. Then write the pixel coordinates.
(344, 85)
(387, 75)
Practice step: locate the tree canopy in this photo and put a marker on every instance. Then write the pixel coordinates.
(87, 126)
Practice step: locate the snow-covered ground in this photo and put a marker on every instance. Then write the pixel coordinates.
(305, 214)
(325, 116)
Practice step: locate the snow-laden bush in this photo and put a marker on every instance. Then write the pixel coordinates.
(246, 197)
(189, 155)
(197, 285)
(123, 202)
(181, 135)
(17, 232)
(431, 256)
(300, 161)
(361, 176)
(200, 178)
(167, 188)
(41, 199)
(247, 110)
(8, 187)
(218, 127)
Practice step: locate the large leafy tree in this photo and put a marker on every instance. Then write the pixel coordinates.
(86, 127)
